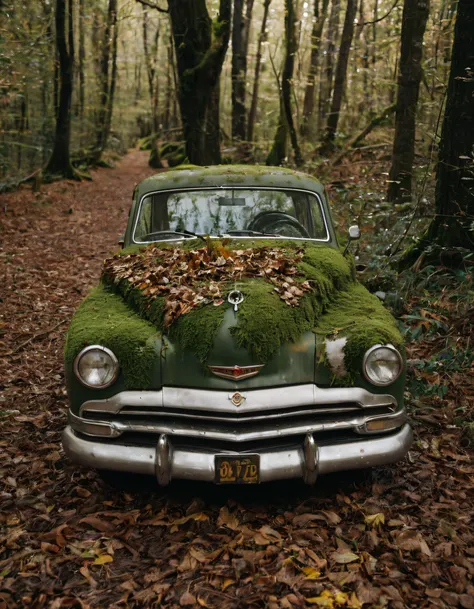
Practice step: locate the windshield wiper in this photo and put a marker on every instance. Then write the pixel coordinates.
(252, 233)
(183, 233)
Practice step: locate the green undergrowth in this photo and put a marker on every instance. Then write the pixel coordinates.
(361, 318)
(104, 319)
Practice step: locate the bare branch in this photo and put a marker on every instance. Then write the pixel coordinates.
(152, 5)
(380, 18)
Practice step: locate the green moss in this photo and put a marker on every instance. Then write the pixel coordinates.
(197, 329)
(103, 318)
(265, 321)
(359, 316)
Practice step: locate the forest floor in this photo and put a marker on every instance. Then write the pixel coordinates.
(404, 539)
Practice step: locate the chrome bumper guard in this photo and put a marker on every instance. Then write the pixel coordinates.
(306, 461)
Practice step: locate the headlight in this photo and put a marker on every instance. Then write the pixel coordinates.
(96, 367)
(382, 365)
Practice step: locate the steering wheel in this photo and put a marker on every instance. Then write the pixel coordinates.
(270, 219)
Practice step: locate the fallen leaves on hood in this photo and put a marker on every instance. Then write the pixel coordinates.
(189, 278)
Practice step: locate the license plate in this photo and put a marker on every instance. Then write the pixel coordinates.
(231, 469)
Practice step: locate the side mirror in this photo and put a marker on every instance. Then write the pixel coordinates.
(354, 232)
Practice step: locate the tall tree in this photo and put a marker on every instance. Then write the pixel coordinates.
(453, 224)
(256, 78)
(319, 18)
(326, 80)
(340, 76)
(415, 15)
(240, 40)
(107, 78)
(200, 47)
(151, 56)
(60, 161)
(286, 123)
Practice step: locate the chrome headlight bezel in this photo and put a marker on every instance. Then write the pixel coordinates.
(367, 355)
(113, 359)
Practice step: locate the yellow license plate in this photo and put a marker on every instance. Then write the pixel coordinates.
(237, 470)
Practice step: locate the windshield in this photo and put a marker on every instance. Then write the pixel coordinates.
(234, 212)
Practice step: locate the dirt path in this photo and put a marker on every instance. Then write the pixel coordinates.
(67, 540)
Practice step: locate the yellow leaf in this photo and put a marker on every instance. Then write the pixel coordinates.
(341, 598)
(354, 602)
(325, 600)
(103, 559)
(311, 572)
(375, 519)
(227, 583)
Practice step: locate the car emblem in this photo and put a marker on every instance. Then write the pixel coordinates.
(235, 298)
(235, 373)
(237, 398)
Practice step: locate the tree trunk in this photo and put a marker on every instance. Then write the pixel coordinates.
(107, 85)
(200, 47)
(60, 161)
(340, 76)
(415, 15)
(275, 155)
(240, 39)
(452, 226)
(308, 103)
(82, 59)
(279, 150)
(152, 77)
(256, 79)
(325, 88)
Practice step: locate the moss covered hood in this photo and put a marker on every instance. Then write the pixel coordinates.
(291, 291)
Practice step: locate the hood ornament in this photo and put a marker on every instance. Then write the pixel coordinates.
(235, 298)
(235, 373)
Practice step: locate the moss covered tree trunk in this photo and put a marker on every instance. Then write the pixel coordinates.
(256, 79)
(108, 74)
(308, 104)
(453, 224)
(286, 123)
(151, 52)
(200, 46)
(340, 76)
(415, 15)
(60, 161)
(240, 39)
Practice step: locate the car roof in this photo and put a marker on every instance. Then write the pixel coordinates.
(192, 176)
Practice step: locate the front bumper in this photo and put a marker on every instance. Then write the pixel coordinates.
(305, 461)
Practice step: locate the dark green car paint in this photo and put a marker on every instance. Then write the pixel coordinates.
(295, 363)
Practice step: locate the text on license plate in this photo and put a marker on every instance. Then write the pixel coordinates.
(231, 469)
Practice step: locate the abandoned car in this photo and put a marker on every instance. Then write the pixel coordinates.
(229, 340)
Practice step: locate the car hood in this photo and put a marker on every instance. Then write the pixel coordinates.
(293, 363)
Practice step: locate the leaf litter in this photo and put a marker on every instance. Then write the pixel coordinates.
(69, 540)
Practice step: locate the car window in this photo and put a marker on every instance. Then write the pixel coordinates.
(283, 213)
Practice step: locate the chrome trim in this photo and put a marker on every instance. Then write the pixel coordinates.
(311, 460)
(241, 419)
(96, 348)
(274, 464)
(220, 372)
(369, 352)
(257, 400)
(163, 460)
(233, 187)
(229, 432)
